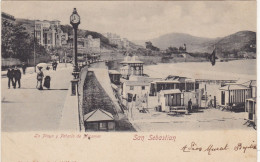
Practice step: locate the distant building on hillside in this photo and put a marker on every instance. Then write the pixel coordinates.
(115, 39)
(49, 33)
(92, 44)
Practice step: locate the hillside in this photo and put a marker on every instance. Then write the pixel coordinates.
(240, 41)
(233, 43)
(178, 39)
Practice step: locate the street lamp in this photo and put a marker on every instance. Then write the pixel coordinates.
(75, 21)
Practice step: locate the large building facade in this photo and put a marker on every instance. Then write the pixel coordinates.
(49, 33)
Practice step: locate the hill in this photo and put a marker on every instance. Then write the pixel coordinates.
(243, 41)
(240, 41)
(178, 39)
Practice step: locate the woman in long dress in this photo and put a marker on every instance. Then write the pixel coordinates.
(40, 76)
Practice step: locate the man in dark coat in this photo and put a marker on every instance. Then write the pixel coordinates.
(189, 105)
(17, 77)
(10, 76)
(24, 68)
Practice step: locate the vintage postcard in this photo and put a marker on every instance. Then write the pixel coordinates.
(128, 81)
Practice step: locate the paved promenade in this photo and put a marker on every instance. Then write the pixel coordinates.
(28, 109)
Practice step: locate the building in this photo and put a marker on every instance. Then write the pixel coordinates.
(114, 77)
(234, 94)
(92, 44)
(251, 109)
(158, 85)
(170, 98)
(252, 84)
(131, 66)
(49, 33)
(7, 19)
(115, 39)
(186, 84)
(99, 120)
(140, 88)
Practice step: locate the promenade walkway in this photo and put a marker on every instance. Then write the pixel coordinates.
(28, 109)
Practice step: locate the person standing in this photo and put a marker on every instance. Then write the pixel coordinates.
(189, 106)
(47, 80)
(24, 68)
(10, 76)
(17, 77)
(40, 76)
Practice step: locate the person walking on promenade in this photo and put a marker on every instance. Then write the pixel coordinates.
(24, 68)
(40, 76)
(47, 80)
(17, 77)
(189, 106)
(54, 65)
(10, 76)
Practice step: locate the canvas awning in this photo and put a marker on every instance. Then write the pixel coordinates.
(170, 91)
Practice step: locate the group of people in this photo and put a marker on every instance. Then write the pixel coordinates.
(14, 76)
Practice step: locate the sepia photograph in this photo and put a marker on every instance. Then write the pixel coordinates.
(128, 67)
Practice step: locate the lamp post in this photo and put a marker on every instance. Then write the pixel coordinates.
(75, 21)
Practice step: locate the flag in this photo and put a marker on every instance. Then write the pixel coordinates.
(212, 57)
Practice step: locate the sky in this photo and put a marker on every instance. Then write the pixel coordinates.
(144, 20)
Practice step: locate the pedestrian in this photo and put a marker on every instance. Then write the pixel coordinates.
(40, 76)
(47, 80)
(24, 68)
(10, 76)
(53, 65)
(17, 77)
(189, 106)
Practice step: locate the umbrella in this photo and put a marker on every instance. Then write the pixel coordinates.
(43, 65)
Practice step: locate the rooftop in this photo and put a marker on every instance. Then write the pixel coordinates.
(233, 87)
(98, 115)
(113, 72)
(166, 81)
(170, 91)
(137, 83)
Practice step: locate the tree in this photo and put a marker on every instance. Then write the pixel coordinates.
(7, 38)
(18, 43)
(150, 46)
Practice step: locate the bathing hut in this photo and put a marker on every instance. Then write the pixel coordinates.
(251, 109)
(234, 94)
(99, 120)
(171, 101)
(114, 76)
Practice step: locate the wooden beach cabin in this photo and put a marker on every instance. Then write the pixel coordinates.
(234, 94)
(251, 109)
(171, 101)
(114, 76)
(99, 120)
